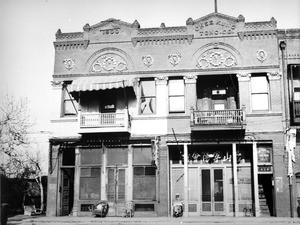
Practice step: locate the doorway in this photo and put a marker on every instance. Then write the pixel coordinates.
(212, 191)
(67, 191)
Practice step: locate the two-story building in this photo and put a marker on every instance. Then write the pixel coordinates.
(143, 114)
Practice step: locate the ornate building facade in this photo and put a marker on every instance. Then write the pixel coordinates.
(144, 114)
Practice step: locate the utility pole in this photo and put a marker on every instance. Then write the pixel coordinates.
(216, 6)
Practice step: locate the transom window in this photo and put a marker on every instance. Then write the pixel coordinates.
(259, 93)
(176, 96)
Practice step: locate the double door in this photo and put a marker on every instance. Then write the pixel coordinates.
(212, 191)
(116, 190)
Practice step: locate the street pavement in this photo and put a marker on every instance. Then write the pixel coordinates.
(207, 220)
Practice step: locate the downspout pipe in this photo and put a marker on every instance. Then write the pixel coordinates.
(282, 46)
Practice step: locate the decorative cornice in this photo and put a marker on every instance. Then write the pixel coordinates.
(67, 45)
(73, 35)
(163, 40)
(258, 34)
(274, 75)
(262, 24)
(243, 76)
(162, 30)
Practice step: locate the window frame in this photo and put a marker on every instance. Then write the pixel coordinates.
(66, 98)
(142, 96)
(260, 93)
(171, 95)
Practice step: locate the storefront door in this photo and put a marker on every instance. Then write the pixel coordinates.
(212, 191)
(116, 190)
(67, 191)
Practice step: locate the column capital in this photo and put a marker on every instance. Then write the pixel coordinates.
(275, 75)
(190, 79)
(243, 76)
(56, 84)
(161, 80)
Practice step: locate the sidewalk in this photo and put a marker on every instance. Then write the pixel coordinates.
(27, 220)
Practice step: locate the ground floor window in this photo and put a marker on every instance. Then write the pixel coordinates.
(90, 183)
(144, 183)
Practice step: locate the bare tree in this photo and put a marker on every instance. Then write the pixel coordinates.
(17, 160)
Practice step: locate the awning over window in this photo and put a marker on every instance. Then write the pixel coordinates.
(101, 83)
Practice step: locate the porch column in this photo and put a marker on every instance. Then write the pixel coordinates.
(103, 173)
(76, 183)
(235, 181)
(186, 180)
(255, 180)
(130, 174)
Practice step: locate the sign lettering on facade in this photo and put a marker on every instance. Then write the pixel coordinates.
(215, 27)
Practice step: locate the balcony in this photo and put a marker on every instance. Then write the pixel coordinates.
(230, 119)
(104, 122)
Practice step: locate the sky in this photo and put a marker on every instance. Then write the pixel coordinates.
(28, 30)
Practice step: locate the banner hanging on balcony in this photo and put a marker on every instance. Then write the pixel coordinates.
(101, 83)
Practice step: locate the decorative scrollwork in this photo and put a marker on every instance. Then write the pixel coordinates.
(174, 59)
(148, 60)
(69, 63)
(216, 59)
(108, 63)
(261, 55)
(213, 58)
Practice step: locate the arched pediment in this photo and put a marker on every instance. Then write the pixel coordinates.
(216, 55)
(109, 60)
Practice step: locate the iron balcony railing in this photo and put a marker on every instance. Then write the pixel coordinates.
(102, 120)
(217, 117)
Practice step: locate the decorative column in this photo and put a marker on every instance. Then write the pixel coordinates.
(130, 174)
(244, 89)
(76, 183)
(275, 91)
(255, 180)
(162, 92)
(186, 180)
(235, 180)
(190, 91)
(103, 173)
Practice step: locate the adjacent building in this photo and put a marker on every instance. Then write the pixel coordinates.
(143, 114)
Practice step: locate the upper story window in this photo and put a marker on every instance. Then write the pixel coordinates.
(259, 93)
(176, 96)
(148, 97)
(69, 104)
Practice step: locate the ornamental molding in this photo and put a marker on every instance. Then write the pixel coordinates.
(148, 60)
(261, 55)
(69, 63)
(56, 84)
(216, 58)
(174, 59)
(243, 76)
(274, 75)
(109, 63)
(162, 40)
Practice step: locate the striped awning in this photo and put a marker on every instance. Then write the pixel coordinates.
(100, 83)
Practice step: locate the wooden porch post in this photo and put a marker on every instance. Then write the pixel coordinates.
(235, 180)
(76, 183)
(103, 173)
(255, 180)
(186, 180)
